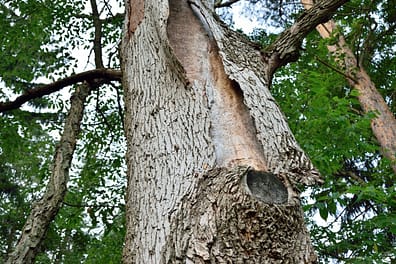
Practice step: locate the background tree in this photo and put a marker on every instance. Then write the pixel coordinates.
(357, 197)
(94, 197)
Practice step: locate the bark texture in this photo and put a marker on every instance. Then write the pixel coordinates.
(45, 210)
(384, 124)
(219, 222)
(212, 163)
(287, 46)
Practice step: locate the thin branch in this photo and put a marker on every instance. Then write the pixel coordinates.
(336, 70)
(229, 3)
(105, 76)
(112, 18)
(101, 114)
(120, 111)
(97, 42)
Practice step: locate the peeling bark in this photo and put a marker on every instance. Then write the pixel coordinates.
(45, 210)
(212, 164)
(384, 124)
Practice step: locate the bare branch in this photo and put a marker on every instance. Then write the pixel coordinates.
(105, 76)
(349, 77)
(219, 4)
(112, 18)
(98, 35)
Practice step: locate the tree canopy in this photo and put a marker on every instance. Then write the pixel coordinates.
(50, 47)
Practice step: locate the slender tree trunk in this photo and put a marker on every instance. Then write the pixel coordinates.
(45, 210)
(384, 124)
(212, 164)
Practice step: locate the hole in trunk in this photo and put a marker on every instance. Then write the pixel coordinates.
(266, 187)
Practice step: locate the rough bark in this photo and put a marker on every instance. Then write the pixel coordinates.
(384, 124)
(212, 163)
(44, 210)
(286, 47)
(219, 222)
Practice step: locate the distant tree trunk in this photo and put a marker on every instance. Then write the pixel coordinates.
(384, 124)
(44, 210)
(212, 165)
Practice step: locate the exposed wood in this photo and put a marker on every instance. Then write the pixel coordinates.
(242, 63)
(98, 75)
(233, 131)
(44, 210)
(384, 124)
(136, 7)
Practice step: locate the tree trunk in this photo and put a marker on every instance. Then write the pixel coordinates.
(45, 210)
(212, 164)
(384, 124)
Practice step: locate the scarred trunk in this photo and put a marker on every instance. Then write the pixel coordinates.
(384, 124)
(212, 164)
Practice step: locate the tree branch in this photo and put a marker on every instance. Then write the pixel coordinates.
(98, 35)
(336, 70)
(112, 18)
(286, 47)
(105, 76)
(219, 4)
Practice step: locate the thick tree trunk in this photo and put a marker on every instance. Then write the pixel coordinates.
(212, 164)
(45, 210)
(384, 124)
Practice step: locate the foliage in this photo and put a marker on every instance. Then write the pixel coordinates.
(21, 136)
(38, 42)
(357, 200)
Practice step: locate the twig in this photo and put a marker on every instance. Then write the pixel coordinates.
(335, 69)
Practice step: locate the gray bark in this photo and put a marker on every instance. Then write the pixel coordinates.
(44, 210)
(212, 163)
